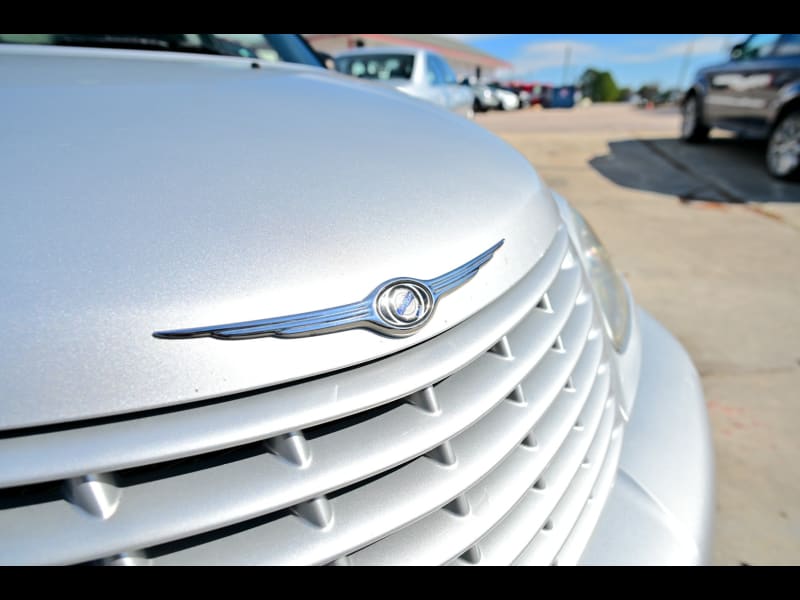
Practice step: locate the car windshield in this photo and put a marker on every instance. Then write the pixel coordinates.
(287, 47)
(377, 66)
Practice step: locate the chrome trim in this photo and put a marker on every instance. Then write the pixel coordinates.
(370, 313)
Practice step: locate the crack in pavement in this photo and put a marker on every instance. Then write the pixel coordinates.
(712, 183)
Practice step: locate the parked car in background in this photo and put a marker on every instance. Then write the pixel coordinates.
(256, 312)
(508, 98)
(541, 94)
(416, 72)
(523, 90)
(756, 94)
(485, 98)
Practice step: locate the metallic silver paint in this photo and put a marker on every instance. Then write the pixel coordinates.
(152, 234)
(661, 510)
(121, 444)
(155, 237)
(469, 380)
(376, 312)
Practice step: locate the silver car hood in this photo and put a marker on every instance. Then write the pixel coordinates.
(147, 191)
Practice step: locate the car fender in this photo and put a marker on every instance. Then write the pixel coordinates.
(699, 87)
(788, 95)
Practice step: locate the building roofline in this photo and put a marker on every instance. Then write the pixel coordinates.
(381, 50)
(444, 46)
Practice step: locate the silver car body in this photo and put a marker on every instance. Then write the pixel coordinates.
(149, 191)
(430, 79)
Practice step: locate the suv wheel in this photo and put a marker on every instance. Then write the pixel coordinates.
(692, 128)
(783, 149)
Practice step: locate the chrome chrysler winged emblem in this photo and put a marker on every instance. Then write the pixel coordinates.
(398, 307)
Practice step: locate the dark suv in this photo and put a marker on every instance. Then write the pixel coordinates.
(756, 94)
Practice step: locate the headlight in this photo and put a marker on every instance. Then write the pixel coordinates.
(608, 286)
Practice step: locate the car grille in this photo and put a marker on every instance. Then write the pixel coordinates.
(495, 442)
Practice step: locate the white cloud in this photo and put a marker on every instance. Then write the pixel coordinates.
(543, 55)
(698, 46)
(707, 44)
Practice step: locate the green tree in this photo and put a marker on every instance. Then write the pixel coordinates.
(607, 90)
(598, 85)
(649, 92)
(587, 82)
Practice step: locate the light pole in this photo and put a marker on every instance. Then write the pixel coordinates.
(685, 65)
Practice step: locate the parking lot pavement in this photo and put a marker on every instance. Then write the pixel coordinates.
(722, 170)
(709, 244)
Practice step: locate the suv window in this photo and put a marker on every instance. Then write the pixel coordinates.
(760, 45)
(789, 46)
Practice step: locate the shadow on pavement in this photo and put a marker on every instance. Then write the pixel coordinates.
(721, 170)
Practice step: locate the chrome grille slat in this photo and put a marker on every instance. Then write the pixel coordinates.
(362, 466)
(510, 538)
(443, 536)
(544, 548)
(368, 513)
(160, 437)
(573, 547)
(337, 459)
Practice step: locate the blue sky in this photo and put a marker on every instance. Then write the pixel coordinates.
(633, 59)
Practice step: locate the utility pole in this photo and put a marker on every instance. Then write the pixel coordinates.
(685, 65)
(567, 53)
